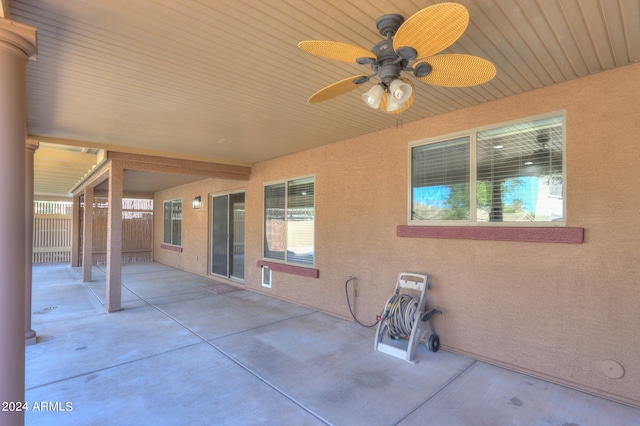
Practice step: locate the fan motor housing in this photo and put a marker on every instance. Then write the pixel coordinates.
(389, 72)
(384, 50)
(388, 64)
(389, 24)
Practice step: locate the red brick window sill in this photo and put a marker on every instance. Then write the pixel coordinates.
(290, 269)
(171, 248)
(525, 234)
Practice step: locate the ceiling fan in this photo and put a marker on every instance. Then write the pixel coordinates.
(418, 39)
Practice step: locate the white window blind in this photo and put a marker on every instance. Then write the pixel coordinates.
(440, 180)
(300, 221)
(275, 219)
(290, 221)
(519, 172)
(173, 222)
(516, 175)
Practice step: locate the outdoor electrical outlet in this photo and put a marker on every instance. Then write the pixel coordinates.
(355, 291)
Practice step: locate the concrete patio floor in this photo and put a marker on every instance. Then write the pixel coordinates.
(186, 350)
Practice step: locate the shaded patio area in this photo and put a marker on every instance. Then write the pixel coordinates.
(188, 350)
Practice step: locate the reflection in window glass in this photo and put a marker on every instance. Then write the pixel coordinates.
(289, 217)
(440, 181)
(300, 221)
(517, 176)
(274, 221)
(519, 172)
(173, 222)
(167, 223)
(176, 222)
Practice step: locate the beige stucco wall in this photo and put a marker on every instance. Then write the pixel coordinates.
(195, 223)
(556, 311)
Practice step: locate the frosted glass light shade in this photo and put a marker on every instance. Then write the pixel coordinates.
(373, 96)
(400, 91)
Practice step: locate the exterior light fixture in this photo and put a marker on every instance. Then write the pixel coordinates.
(197, 202)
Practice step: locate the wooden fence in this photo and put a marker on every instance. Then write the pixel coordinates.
(137, 230)
(52, 228)
(52, 231)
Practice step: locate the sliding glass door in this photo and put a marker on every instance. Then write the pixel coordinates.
(227, 235)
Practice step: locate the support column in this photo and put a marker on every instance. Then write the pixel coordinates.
(87, 235)
(75, 232)
(114, 238)
(17, 44)
(31, 146)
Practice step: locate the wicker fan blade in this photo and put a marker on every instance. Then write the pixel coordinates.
(335, 50)
(457, 70)
(384, 104)
(432, 29)
(335, 89)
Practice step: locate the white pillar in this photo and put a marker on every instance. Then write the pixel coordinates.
(31, 146)
(17, 44)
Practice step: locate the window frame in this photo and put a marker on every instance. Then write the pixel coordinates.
(472, 135)
(285, 261)
(164, 224)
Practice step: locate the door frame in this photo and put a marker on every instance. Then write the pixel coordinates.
(229, 242)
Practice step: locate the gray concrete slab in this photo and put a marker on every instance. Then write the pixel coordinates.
(98, 272)
(484, 394)
(193, 385)
(149, 275)
(328, 365)
(73, 347)
(166, 285)
(146, 267)
(231, 313)
(196, 352)
(58, 294)
(99, 288)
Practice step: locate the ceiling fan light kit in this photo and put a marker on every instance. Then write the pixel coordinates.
(373, 96)
(419, 38)
(399, 91)
(391, 106)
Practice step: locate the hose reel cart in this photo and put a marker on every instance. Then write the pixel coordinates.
(405, 317)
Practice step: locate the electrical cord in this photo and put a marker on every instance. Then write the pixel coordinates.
(346, 290)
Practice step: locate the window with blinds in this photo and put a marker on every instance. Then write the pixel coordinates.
(289, 212)
(173, 222)
(504, 174)
(440, 181)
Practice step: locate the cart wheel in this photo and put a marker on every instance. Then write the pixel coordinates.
(434, 343)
